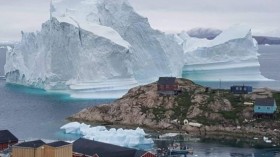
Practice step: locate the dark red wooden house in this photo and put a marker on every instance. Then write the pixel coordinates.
(7, 139)
(167, 86)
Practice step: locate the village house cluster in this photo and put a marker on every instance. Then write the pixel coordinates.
(10, 146)
(263, 107)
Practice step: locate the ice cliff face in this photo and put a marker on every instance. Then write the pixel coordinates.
(91, 44)
(231, 56)
(62, 53)
(97, 48)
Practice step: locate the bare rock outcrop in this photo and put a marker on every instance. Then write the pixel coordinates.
(217, 111)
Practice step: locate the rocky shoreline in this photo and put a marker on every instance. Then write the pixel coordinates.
(219, 112)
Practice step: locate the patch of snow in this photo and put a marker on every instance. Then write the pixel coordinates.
(265, 139)
(168, 135)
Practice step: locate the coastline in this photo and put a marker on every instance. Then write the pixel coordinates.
(236, 137)
(223, 116)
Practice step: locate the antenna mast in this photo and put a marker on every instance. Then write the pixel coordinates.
(51, 9)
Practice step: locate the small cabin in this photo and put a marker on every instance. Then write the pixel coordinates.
(89, 148)
(167, 86)
(29, 149)
(241, 89)
(265, 107)
(7, 139)
(58, 149)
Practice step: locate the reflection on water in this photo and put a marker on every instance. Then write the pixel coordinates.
(207, 149)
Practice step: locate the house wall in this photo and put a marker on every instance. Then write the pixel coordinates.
(167, 87)
(3, 146)
(63, 151)
(49, 151)
(265, 109)
(43, 151)
(241, 89)
(148, 154)
(6, 145)
(28, 152)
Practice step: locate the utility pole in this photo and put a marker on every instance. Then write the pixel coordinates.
(51, 9)
(220, 86)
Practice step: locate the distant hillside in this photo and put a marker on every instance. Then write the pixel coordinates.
(262, 40)
(210, 33)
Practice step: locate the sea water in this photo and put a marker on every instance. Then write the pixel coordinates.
(36, 114)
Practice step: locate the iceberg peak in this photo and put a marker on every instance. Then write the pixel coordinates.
(93, 46)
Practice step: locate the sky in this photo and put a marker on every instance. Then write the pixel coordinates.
(171, 16)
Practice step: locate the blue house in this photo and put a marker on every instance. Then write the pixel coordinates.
(265, 107)
(241, 89)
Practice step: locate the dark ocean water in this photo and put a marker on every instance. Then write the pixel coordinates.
(33, 113)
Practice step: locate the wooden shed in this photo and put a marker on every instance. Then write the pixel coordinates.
(7, 139)
(58, 149)
(241, 89)
(29, 149)
(167, 86)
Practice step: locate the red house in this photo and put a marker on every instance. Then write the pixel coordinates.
(7, 139)
(167, 86)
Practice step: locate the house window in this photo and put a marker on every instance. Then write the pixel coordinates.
(237, 88)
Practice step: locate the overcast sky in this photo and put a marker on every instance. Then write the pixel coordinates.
(166, 15)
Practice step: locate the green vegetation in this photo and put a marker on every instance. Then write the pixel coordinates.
(204, 120)
(230, 115)
(159, 113)
(182, 107)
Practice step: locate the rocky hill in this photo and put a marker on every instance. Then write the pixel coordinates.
(218, 111)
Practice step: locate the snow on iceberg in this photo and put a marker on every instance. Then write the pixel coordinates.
(231, 56)
(89, 43)
(121, 137)
(101, 48)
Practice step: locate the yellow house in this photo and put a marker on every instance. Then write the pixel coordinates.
(39, 148)
(29, 149)
(58, 149)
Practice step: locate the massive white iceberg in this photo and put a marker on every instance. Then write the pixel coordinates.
(101, 48)
(90, 43)
(122, 137)
(231, 56)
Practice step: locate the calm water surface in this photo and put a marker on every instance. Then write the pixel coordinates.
(33, 113)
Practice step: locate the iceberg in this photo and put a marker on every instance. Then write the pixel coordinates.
(231, 56)
(102, 48)
(122, 137)
(90, 47)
